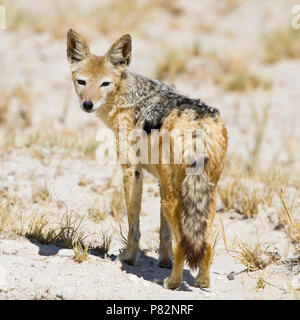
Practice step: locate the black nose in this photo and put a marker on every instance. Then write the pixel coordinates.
(88, 105)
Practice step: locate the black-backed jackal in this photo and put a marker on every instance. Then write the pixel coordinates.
(188, 201)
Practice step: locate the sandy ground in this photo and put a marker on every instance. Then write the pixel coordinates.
(37, 62)
(36, 271)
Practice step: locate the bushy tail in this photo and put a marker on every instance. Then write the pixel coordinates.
(196, 195)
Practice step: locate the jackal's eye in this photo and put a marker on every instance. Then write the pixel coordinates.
(105, 84)
(81, 82)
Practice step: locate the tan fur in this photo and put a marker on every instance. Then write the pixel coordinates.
(181, 195)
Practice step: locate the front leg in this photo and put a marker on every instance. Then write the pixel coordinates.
(133, 185)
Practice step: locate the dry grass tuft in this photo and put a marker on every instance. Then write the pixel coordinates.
(96, 214)
(260, 121)
(63, 141)
(247, 187)
(248, 200)
(228, 191)
(11, 219)
(105, 242)
(5, 216)
(81, 253)
(57, 22)
(253, 256)
(152, 245)
(292, 220)
(235, 75)
(284, 212)
(122, 235)
(172, 7)
(40, 231)
(295, 234)
(41, 192)
(83, 181)
(88, 147)
(48, 137)
(229, 5)
(130, 14)
(196, 49)
(243, 197)
(69, 232)
(66, 235)
(250, 184)
(107, 17)
(4, 106)
(281, 44)
(173, 63)
(242, 81)
(16, 105)
(124, 15)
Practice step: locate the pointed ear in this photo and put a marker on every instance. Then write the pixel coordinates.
(77, 48)
(120, 52)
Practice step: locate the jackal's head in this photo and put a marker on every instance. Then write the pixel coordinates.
(97, 78)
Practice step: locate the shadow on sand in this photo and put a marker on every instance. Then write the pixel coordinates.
(146, 267)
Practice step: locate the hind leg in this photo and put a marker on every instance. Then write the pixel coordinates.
(203, 277)
(165, 247)
(172, 209)
(174, 281)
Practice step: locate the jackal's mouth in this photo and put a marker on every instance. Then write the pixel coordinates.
(88, 111)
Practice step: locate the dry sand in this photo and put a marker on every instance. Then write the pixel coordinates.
(37, 61)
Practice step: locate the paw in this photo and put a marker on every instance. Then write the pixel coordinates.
(128, 258)
(202, 282)
(165, 263)
(169, 283)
